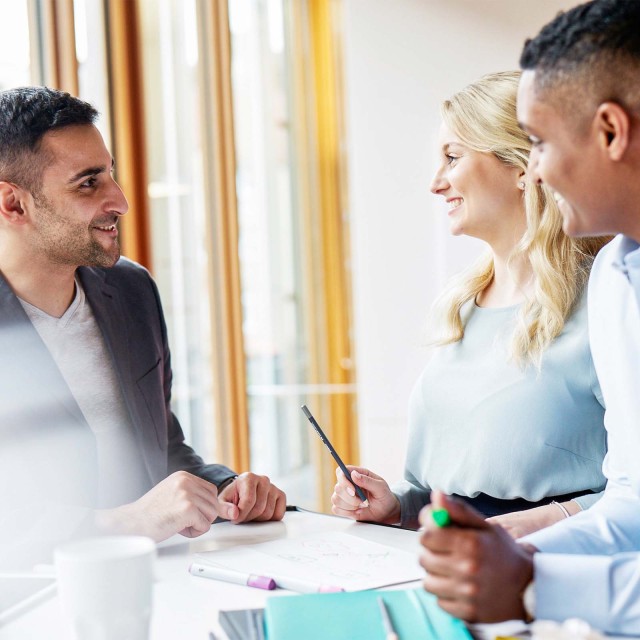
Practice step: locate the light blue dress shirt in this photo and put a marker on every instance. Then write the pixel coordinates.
(588, 568)
(480, 423)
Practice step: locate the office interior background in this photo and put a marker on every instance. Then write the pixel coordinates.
(277, 156)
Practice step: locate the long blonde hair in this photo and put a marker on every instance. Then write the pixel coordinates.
(483, 116)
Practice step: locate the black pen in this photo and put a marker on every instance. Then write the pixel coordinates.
(332, 451)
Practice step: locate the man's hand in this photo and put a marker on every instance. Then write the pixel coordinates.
(181, 503)
(255, 499)
(381, 506)
(476, 570)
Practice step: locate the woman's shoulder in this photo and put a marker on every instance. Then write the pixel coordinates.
(577, 321)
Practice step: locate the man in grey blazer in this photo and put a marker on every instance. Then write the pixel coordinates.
(85, 371)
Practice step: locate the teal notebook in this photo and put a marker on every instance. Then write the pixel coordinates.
(356, 615)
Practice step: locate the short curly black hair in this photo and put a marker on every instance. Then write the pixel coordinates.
(26, 115)
(597, 43)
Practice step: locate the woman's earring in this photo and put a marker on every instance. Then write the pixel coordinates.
(521, 185)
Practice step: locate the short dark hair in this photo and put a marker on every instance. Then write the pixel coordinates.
(26, 115)
(597, 43)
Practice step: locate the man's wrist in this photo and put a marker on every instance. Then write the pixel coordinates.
(120, 520)
(225, 483)
(107, 521)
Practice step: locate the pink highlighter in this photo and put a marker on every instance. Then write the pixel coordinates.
(229, 575)
(259, 582)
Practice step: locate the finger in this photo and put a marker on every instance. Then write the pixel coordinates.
(190, 501)
(458, 607)
(443, 541)
(201, 492)
(375, 487)
(346, 513)
(363, 471)
(276, 505)
(229, 493)
(262, 492)
(448, 588)
(281, 506)
(247, 493)
(345, 502)
(267, 511)
(345, 484)
(194, 531)
(435, 563)
(460, 512)
(227, 510)
(346, 487)
(198, 520)
(183, 482)
(350, 468)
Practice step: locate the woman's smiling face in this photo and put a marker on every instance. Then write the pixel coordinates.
(482, 192)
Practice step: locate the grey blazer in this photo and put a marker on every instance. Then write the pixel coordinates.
(39, 417)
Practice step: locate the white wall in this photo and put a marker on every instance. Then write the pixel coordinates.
(402, 58)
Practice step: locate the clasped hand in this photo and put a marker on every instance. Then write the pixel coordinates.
(186, 504)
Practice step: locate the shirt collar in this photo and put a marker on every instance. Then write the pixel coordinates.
(626, 255)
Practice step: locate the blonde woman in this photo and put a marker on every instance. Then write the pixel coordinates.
(508, 413)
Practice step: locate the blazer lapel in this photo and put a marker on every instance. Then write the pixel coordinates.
(30, 366)
(112, 318)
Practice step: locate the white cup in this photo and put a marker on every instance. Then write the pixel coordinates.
(105, 587)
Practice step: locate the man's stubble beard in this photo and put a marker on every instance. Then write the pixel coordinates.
(65, 242)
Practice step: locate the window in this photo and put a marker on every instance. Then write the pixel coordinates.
(222, 117)
(15, 55)
(175, 137)
(282, 206)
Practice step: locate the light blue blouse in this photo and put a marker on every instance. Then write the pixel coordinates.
(478, 423)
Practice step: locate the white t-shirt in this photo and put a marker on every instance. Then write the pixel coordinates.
(78, 349)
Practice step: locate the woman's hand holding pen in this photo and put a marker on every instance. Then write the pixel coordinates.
(382, 504)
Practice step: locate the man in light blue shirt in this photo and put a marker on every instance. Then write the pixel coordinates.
(579, 100)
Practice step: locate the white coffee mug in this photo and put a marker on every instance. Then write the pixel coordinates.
(105, 587)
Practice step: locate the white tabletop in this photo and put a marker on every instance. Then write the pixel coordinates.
(187, 607)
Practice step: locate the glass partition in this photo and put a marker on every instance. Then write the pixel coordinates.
(177, 211)
(15, 55)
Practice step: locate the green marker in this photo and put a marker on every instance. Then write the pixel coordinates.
(441, 517)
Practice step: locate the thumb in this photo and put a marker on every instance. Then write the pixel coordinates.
(371, 482)
(461, 514)
(227, 510)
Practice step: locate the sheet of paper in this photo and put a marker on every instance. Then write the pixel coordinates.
(332, 558)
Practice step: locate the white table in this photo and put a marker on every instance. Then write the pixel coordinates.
(186, 607)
